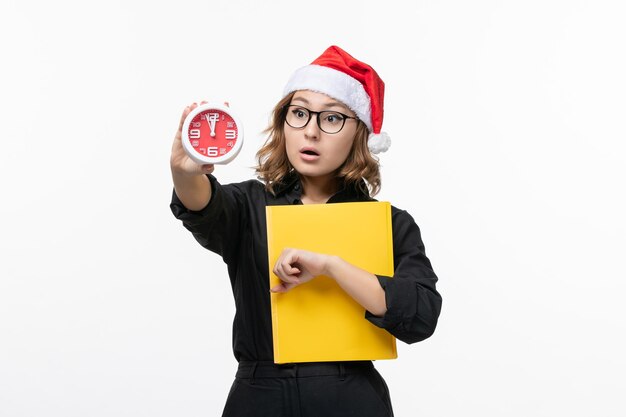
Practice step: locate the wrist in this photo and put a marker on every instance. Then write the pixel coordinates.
(332, 264)
(182, 173)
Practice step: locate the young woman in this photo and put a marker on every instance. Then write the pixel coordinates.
(319, 150)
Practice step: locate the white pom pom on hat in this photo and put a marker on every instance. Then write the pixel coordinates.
(378, 143)
(342, 77)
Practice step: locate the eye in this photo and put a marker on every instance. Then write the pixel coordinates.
(333, 118)
(300, 113)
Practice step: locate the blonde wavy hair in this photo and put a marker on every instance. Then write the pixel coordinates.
(273, 164)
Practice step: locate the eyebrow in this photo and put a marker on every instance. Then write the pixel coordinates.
(327, 104)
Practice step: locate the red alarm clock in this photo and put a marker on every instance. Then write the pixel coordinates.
(212, 134)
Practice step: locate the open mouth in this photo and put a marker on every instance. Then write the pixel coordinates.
(309, 151)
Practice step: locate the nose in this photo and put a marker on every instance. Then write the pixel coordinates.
(311, 129)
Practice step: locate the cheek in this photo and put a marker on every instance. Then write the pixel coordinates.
(289, 143)
(343, 150)
(290, 146)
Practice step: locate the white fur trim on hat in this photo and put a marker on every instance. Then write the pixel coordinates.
(378, 143)
(335, 84)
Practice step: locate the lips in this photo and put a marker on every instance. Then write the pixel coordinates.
(309, 154)
(309, 151)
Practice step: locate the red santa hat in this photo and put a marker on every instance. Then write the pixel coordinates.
(342, 77)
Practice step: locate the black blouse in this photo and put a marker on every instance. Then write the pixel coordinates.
(233, 226)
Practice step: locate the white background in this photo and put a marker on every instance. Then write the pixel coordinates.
(507, 122)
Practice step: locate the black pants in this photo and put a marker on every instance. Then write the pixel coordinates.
(263, 389)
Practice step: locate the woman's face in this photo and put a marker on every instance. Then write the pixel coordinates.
(311, 151)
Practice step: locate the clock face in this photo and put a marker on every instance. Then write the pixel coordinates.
(212, 135)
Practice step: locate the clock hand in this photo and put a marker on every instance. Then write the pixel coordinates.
(211, 120)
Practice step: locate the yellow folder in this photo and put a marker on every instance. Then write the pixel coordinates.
(317, 321)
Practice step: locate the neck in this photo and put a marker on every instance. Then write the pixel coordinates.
(317, 190)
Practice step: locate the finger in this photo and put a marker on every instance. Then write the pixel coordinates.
(182, 118)
(289, 263)
(287, 268)
(282, 262)
(186, 112)
(280, 272)
(283, 287)
(278, 265)
(227, 104)
(278, 288)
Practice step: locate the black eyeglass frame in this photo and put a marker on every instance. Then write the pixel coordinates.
(317, 118)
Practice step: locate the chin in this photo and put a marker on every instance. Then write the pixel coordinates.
(309, 171)
(312, 169)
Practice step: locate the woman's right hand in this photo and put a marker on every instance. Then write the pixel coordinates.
(180, 162)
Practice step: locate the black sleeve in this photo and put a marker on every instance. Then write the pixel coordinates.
(217, 226)
(413, 303)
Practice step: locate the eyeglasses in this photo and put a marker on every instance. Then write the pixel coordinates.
(328, 121)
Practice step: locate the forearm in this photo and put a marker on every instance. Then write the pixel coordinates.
(194, 191)
(361, 285)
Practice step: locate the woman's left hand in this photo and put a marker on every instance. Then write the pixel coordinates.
(297, 266)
